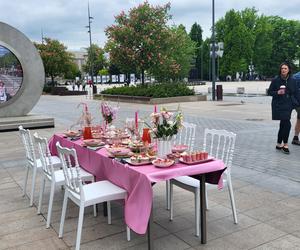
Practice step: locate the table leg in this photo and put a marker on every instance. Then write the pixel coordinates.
(105, 209)
(203, 209)
(149, 231)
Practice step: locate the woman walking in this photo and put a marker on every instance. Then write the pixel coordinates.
(282, 88)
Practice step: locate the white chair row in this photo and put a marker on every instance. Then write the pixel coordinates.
(72, 177)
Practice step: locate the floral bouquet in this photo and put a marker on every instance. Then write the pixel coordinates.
(165, 124)
(109, 113)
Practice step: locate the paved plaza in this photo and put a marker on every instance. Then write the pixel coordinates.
(265, 181)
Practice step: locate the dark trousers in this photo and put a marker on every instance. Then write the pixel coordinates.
(284, 131)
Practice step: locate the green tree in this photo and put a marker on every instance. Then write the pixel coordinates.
(196, 36)
(73, 71)
(95, 57)
(55, 57)
(142, 41)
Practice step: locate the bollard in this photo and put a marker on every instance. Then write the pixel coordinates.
(219, 93)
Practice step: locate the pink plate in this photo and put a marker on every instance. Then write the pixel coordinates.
(161, 163)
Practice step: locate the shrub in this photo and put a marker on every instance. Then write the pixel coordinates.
(155, 90)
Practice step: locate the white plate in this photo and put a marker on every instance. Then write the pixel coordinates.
(210, 158)
(162, 165)
(137, 163)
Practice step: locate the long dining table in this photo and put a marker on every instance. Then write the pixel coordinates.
(138, 181)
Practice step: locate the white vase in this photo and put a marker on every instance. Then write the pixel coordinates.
(164, 147)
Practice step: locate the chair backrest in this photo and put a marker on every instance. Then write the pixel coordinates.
(72, 175)
(220, 144)
(187, 135)
(45, 155)
(28, 145)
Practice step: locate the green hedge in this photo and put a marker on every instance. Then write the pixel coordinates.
(153, 90)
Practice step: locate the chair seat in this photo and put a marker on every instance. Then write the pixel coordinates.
(100, 191)
(190, 181)
(60, 178)
(55, 162)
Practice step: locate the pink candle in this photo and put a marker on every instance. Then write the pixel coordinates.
(136, 120)
(155, 109)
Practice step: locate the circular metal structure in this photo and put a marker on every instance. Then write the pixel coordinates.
(33, 72)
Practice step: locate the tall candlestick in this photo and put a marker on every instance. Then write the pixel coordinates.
(136, 120)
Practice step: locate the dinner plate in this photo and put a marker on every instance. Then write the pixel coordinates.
(93, 142)
(161, 164)
(128, 160)
(210, 158)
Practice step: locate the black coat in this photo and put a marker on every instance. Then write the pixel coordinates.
(282, 105)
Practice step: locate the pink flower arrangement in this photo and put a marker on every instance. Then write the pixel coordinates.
(109, 113)
(165, 124)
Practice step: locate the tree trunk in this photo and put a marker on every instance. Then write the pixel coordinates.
(143, 77)
(52, 80)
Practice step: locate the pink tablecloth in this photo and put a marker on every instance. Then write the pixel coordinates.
(136, 180)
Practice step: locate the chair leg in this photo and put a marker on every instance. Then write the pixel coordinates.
(206, 199)
(171, 201)
(42, 188)
(32, 186)
(230, 189)
(25, 181)
(95, 210)
(50, 203)
(168, 194)
(79, 227)
(128, 233)
(63, 214)
(197, 211)
(108, 213)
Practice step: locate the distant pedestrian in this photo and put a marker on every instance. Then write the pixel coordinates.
(83, 85)
(3, 93)
(78, 85)
(73, 85)
(295, 140)
(281, 89)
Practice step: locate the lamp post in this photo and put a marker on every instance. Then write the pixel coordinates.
(213, 59)
(91, 50)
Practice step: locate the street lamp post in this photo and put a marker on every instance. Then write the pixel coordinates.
(213, 59)
(91, 50)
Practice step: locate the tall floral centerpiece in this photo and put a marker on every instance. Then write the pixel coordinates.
(108, 112)
(165, 125)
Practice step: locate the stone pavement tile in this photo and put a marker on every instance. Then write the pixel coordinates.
(217, 229)
(71, 220)
(178, 223)
(17, 215)
(53, 243)
(286, 242)
(19, 225)
(218, 244)
(5, 187)
(26, 236)
(12, 194)
(253, 236)
(169, 242)
(14, 204)
(94, 231)
(268, 211)
(287, 222)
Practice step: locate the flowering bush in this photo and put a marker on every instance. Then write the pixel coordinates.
(165, 124)
(109, 113)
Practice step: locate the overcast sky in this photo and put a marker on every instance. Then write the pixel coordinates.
(65, 20)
